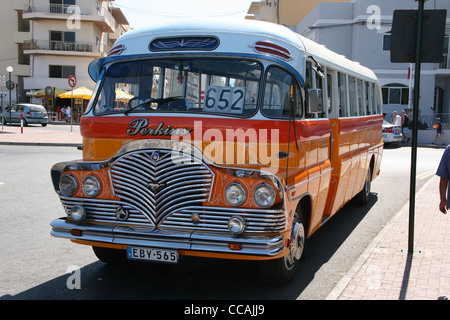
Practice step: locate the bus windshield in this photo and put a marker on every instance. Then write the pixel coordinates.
(217, 86)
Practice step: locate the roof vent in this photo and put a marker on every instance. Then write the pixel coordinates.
(115, 51)
(272, 49)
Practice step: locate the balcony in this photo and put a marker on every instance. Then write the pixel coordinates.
(102, 19)
(65, 48)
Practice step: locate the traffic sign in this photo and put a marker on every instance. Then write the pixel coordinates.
(49, 91)
(9, 85)
(72, 81)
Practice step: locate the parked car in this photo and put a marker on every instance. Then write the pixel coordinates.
(32, 114)
(391, 133)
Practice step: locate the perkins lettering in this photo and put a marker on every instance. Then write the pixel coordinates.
(140, 126)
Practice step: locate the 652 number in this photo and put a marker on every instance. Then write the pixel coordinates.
(224, 99)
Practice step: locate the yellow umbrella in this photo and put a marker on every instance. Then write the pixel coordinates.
(79, 93)
(41, 93)
(122, 95)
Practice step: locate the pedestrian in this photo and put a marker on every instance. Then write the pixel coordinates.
(63, 113)
(439, 132)
(405, 124)
(443, 172)
(68, 114)
(397, 119)
(58, 112)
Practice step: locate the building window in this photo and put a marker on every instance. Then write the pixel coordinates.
(61, 40)
(387, 42)
(60, 6)
(61, 71)
(395, 95)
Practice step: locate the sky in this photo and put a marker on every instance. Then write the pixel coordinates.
(144, 12)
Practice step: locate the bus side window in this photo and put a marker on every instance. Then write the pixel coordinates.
(314, 81)
(375, 99)
(353, 96)
(368, 97)
(342, 90)
(361, 101)
(329, 98)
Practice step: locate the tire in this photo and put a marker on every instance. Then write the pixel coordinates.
(43, 124)
(281, 271)
(363, 196)
(110, 256)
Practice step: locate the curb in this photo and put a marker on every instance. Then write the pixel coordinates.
(40, 144)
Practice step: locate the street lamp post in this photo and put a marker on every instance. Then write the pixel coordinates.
(10, 86)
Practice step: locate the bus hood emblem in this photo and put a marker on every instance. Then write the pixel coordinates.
(155, 156)
(156, 186)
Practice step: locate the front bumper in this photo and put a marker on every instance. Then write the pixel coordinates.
(257, 245)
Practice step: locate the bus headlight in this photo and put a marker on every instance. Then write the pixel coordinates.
(265, 195)
(235, 194)
(91, 186)
(68, 185)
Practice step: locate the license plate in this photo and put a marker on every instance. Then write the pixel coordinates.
(152, 254)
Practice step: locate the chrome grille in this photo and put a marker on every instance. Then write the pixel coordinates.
(159, 182)
(216, 219)
(104, 211)
(209, 218)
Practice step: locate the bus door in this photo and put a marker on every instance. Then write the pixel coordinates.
(310, 153)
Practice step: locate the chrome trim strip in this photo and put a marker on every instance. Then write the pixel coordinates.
(267, 246)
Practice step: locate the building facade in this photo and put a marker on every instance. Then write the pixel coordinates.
(361, 31)
(286, 12)
(49, 40)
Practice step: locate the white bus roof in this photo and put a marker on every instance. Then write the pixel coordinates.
(236, 36)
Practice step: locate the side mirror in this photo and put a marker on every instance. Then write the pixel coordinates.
(315, 101)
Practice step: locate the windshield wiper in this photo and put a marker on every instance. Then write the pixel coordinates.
(152, 100)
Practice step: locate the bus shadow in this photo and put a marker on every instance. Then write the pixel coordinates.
(200, 279)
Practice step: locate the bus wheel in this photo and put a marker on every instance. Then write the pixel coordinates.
(281, 271)
(110, 256)
(363, 196)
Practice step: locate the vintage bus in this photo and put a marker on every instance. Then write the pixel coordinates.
(214, 139)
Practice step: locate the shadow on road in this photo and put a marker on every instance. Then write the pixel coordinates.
(200, 278)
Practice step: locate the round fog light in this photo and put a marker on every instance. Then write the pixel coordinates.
(236, 225)
(77, 213)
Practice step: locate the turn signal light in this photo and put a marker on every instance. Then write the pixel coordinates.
(76, 233)
(235, 246)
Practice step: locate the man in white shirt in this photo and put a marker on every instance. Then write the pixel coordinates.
(68, 114)
(397, 119)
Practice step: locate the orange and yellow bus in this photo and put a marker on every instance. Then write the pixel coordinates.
(214, 139)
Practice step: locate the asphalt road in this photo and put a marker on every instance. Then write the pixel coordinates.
(35, 265)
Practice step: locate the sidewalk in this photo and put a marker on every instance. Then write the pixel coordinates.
(385, 270)
(51, 135)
